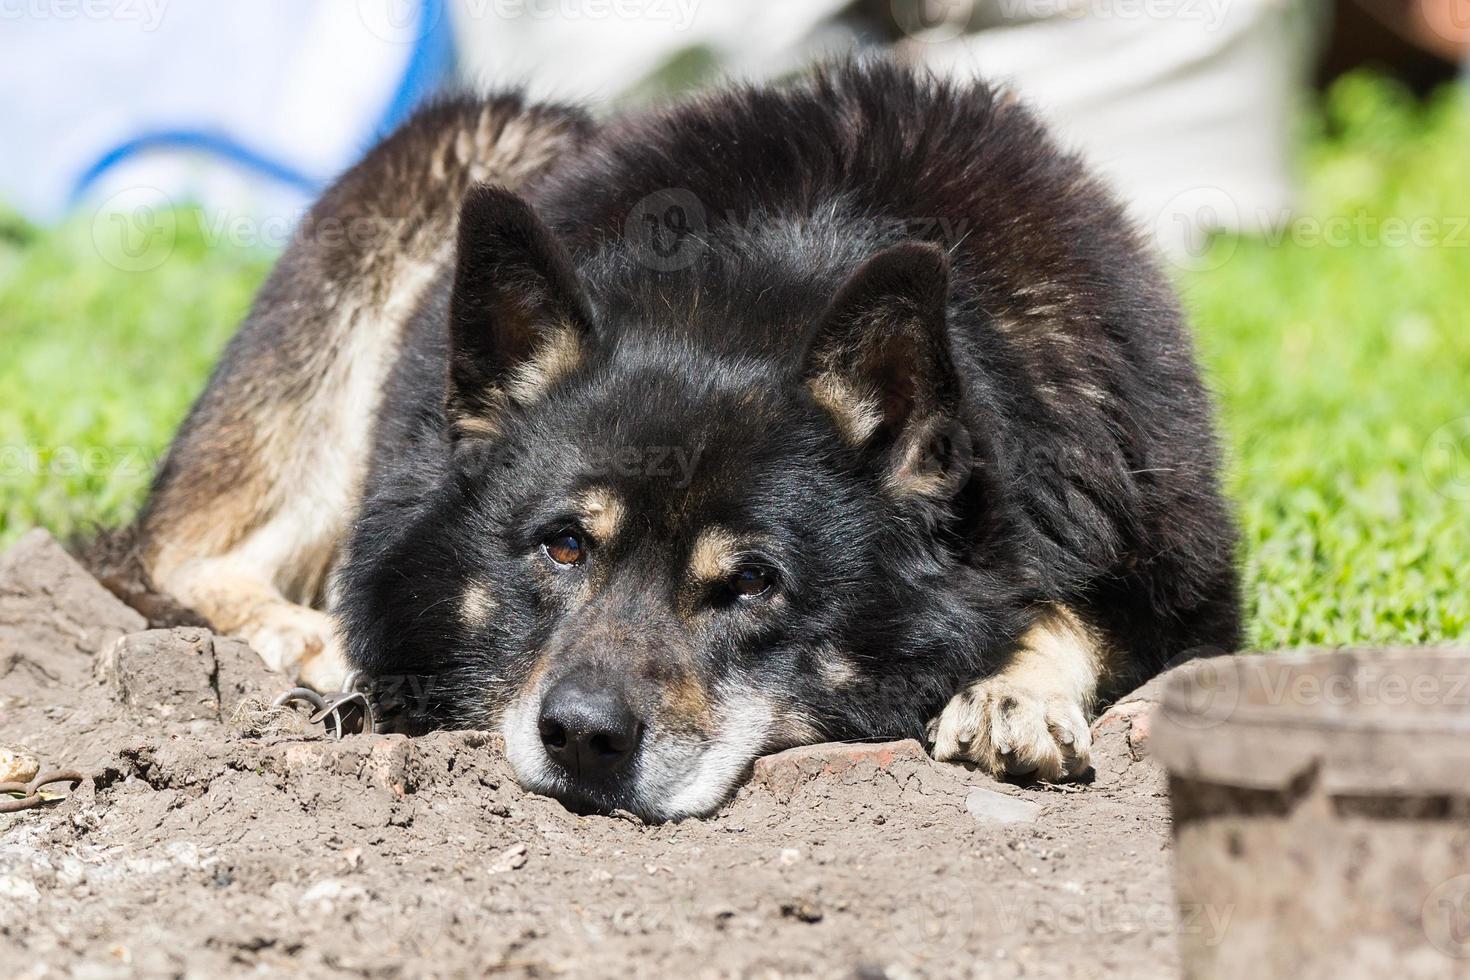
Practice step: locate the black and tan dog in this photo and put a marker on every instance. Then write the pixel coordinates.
(844, 408)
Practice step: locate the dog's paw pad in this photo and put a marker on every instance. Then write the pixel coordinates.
(1006, 728)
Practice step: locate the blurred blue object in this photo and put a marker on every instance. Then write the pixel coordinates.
(247, 109)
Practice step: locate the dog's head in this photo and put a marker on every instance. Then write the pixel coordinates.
(648, 563)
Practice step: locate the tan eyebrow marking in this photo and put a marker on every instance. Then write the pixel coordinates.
(602, 514)
(477, 605)
(714, 554)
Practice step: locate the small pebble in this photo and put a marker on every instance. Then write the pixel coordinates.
(510, 859)
(17, 766)
(988, 806)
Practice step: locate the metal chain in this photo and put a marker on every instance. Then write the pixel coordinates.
(345, 712)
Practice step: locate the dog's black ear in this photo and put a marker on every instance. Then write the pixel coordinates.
(880, 364)
(518, 317)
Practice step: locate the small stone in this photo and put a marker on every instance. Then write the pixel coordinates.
(17, 766)
(802, 910)
(329, 891)
(790, 856)
(783, 773)
(510, 859)
(988, 806)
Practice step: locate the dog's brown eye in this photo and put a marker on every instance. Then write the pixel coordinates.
(750, 582)
(565, 548)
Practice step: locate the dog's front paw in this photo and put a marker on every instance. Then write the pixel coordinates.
(1008, 728)
(299, 642)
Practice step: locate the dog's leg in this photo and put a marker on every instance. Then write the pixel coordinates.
(238, 600)
(1031, 716)
(248, 512)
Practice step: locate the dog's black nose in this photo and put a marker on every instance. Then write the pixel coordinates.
(587, 726)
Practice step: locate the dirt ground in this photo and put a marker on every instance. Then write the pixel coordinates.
(218, 838)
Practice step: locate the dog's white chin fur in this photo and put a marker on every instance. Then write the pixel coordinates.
(674, 776)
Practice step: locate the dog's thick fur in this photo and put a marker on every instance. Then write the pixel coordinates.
(868, 340)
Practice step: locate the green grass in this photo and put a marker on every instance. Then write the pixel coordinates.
(98, 363)
(1338, 362)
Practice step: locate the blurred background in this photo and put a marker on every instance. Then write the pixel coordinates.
(1300, 165)
(1190, 107)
